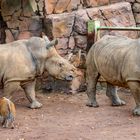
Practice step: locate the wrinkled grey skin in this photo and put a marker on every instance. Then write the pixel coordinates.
(117, 59)
(24, 60)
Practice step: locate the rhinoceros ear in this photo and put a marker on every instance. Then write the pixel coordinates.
(52, 43)
(46, 38)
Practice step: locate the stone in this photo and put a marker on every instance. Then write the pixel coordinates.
(2, 30)
(32, 5)
(77, 81)
(137, 18)
(138, 25)
(136, 7)
(2, 36)
(131, 1)
(24, 35)
(15, 33)
(138, 1)
(36, 24)
(61, 24)
(29, 8)
(71, 43)
(7, 18)
(62, 46)
(119, 14)
(116, 1)
(40, 5)
(9, 36)
(50, 6)
(9, 7)
(74, 5)
(24, 24)
(77, 58)
(13, 24)
(60, 6)
(80, 22)
(80, 41)
(36, 33)
(93, 3)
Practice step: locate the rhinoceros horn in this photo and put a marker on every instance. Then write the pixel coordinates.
(52, 43)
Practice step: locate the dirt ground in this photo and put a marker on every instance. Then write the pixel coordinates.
(65, 117)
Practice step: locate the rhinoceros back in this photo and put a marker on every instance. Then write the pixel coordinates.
(15, 62)
(116, 59)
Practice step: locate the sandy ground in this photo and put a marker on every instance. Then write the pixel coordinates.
(65, 117)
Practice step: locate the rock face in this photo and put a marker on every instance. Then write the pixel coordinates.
(22, 18)
(2, 30)
(60, 6)
(74, 25)
(65, 20)
(71, 28)
(136, 12)
(136, 7)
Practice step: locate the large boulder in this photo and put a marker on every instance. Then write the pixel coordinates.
(136, 7)
(74, 24)
(22, 18)
(119, 14)
(56, 6)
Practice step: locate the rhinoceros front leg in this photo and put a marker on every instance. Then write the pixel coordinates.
(29, 89)
(111, 92)
(10, 88)
(91, 78)
(135, 89)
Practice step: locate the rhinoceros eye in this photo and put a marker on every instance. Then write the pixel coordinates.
(72, 70)
(60, 64)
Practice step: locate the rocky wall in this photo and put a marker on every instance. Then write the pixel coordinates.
(71, 28)
(61, 6)
(65, 20)
(22, 17)
(136, 12)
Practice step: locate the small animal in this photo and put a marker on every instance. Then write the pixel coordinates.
(7, 112)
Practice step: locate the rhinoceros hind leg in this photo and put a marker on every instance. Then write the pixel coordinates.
(10, 88)
(29, 89)
(111, 92)
(135, 89)
(92, 77)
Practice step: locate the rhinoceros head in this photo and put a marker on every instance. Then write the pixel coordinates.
(47, 58)
(56, 65)
(60, 68)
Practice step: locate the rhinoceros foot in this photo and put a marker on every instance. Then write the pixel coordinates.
(95, 104)
(35, 105)
(136, 111)
(118, 102)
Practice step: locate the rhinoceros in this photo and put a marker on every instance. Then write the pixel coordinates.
(117, 60)
(22, 61)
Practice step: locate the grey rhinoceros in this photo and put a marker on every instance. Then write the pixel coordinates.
(23, 60)
(117, 59)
